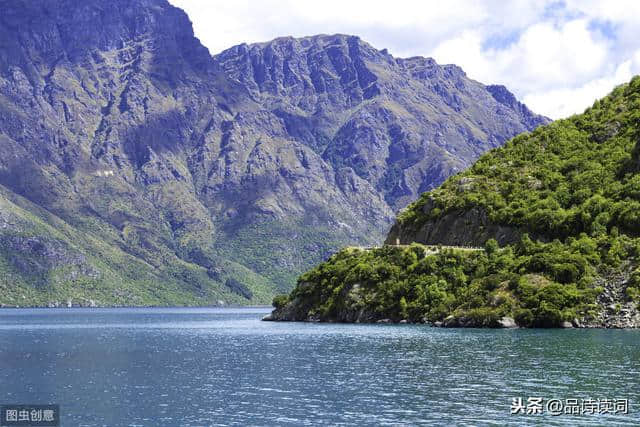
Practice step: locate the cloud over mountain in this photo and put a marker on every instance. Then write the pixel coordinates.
(558, 56)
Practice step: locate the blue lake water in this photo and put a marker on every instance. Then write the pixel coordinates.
(197, 367)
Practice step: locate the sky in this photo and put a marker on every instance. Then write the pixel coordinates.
(555, 56)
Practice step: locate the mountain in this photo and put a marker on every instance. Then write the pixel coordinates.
(136, 168)
(544, 231)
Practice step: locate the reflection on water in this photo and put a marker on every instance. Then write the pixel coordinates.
(225, 367)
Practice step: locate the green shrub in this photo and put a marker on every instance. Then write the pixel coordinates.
(484, 316)
(524, 317)
(280, 301)
(547, 316)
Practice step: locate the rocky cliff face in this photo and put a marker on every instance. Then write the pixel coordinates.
(224, 176)
(458, 228)
(402, 125)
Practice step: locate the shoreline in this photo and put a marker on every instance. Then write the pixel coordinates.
(434, 325)
(505, 322)
(40, 307)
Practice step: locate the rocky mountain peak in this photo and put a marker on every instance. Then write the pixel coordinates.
(318, 66)
(52, 31)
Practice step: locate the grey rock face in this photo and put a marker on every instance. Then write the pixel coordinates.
(402, 125)
(262, 159)
(466, 228)
(615, 308)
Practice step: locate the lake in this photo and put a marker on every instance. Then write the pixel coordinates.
(196, 367)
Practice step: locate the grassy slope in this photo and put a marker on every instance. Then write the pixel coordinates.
(43, 261)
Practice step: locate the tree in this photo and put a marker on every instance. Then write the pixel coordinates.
(491, 246)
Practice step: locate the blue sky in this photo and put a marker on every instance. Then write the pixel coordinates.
(556, 56)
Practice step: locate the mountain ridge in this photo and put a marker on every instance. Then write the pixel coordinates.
(226, 175)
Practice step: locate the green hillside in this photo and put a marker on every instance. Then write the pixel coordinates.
(43, 262)
(558, 212)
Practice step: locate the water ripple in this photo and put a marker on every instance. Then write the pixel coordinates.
(198, 367)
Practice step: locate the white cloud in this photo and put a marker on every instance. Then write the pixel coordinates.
(544, 59)
(556, 56)
(222, 24)
(567, 101)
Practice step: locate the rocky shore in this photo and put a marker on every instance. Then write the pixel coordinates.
(615, 311)
(626, 318)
